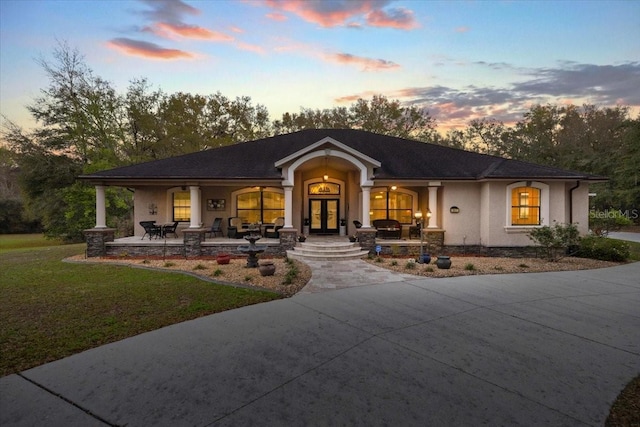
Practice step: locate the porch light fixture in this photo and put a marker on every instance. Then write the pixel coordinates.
(153, 209)
(394, 187)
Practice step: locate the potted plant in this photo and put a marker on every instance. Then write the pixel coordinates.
(443, 262)
(302, 238)
(353, 238)
(267, 268)
(223, 258)
(424, 258)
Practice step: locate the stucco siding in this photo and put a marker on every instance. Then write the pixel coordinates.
(463, 227)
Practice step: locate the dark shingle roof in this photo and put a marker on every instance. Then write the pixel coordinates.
(400, 158)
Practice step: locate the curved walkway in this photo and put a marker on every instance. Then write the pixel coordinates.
(513, 349)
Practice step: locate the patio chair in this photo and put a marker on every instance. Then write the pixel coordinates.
(235, 224)
(151, 229)
(216, 228)
(272, 231)
(170, 229)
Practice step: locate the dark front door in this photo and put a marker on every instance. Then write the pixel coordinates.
(324, 216)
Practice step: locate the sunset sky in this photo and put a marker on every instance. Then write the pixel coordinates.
(459, 59)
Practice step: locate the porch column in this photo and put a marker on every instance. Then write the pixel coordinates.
(366, 206)
(433, 207)
(195, 206)
(101, 210)
(288, 206)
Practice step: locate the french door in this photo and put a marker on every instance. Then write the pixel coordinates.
(324, 216)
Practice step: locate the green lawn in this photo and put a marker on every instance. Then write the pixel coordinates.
(51, 309)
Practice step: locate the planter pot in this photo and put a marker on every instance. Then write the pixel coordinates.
(223, 259)
(444, 262)
(424, 259)
(267, 269)
(301, 239)
(352, 239)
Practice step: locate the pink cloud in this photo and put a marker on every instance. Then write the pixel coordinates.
(367, 64)
(339, 12)
(401, 19)
(462, 29)
(250, 47)
(276, 16)
(166, 29)
(146, 49)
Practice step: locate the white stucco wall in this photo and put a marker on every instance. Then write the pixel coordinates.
(463, 227)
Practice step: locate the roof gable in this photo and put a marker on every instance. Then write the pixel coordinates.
(327, 141)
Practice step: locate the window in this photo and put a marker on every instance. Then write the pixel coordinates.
(396, 205)
(526, 205)
(324, 189)
(260, 206)
(181, 206)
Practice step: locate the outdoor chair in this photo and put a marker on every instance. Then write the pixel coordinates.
(216, 228)
(151, 229)
(272, 231)
(235, 228)
(170, 229)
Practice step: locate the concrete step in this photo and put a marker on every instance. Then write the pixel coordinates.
(335, 251)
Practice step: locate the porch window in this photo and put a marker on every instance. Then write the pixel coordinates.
(182, 206)
(525, 206)
(392, 205)
(260, 206)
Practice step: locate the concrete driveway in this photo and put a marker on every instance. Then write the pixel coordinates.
(526, 349)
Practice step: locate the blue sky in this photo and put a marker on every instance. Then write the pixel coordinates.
(458, 59)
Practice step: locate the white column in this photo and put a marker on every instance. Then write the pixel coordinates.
(288, 206)
(195, 206)
(366, 206)
(101, 207)
(433, 207)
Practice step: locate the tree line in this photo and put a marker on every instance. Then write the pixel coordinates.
(84, 125)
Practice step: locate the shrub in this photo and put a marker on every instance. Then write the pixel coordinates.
(169, 264)
(604, 249)
(410, 265)
(555, 240)
(200, 267)
(601, 223)
(523, 265)
(469, 267)
(218, 272)
(379, 259)
(429, 269)
(394, 262)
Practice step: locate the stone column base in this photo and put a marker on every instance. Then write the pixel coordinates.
(288, 238)
(367, 239)
(96, 240)
(193, 238)
(434, 240)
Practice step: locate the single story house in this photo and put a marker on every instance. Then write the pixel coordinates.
(324, 181)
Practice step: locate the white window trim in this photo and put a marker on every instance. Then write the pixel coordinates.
(544, 206)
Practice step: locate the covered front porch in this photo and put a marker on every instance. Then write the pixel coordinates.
(193, 243)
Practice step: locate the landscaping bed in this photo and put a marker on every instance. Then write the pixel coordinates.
(467, 265)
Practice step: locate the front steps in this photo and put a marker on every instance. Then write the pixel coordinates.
(334, 251)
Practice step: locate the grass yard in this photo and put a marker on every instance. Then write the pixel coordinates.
(51, 309)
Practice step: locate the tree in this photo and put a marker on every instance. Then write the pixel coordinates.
(378, 115)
